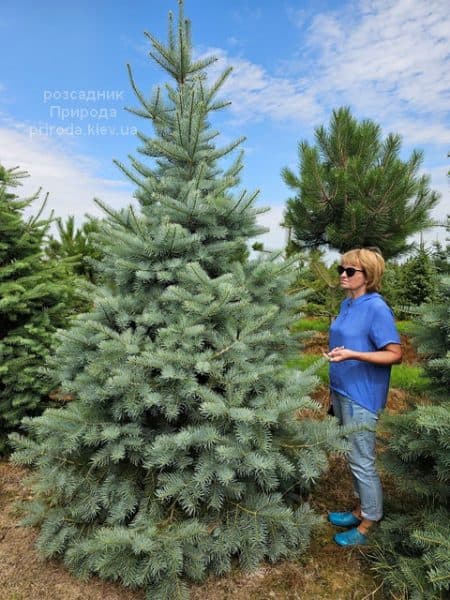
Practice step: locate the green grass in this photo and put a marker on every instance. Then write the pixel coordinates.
(410, 378)
(312, 324)
(305, 361)
(406, 327)
(323, 324)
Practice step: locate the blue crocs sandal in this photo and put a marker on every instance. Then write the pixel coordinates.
(343, 519)
(352, 537)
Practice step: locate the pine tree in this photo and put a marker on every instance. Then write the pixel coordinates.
(413, 551)
(353, 190)
(36, 296)
(182, 451)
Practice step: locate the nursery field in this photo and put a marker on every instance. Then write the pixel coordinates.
(195, 438)
(325, 572)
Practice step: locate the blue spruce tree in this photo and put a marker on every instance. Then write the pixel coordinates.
(184, 449)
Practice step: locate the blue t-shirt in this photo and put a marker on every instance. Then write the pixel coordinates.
(365, 324)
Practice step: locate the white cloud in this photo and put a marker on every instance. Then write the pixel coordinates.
(389, 60)
(257, 95)
(69, 179)
(440, 182)
(419, 130)
(396, 53)
(276, 237)
(297, 16)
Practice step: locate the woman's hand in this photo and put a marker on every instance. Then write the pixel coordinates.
(339, 354)
(391, 354)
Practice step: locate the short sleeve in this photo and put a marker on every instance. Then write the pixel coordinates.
(383, 330)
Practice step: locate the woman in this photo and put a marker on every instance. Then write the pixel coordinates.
(364, 343)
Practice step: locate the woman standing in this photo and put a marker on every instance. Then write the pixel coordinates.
(364, 343)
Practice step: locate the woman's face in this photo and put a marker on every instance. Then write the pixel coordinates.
(352, 278)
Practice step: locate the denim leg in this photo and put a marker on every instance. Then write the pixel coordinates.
(343, 412)
(362, 455)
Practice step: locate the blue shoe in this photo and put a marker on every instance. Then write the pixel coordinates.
(343, 519)
(352, 537)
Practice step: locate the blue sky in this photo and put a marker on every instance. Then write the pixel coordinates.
(294, 61)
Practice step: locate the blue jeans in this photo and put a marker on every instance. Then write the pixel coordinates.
(361, 458)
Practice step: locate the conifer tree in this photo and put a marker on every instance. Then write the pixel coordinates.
(76, 243)
(182, 451)
(418, 278)
(433, 339)
(321, 283)
(413, 550)
(441, 253)
(354, 190)
(36, 296)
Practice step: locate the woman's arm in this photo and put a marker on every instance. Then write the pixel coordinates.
(389, 355)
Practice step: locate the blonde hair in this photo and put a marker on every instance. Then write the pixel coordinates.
(369, 259)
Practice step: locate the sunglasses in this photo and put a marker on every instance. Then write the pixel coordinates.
(349, 271)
